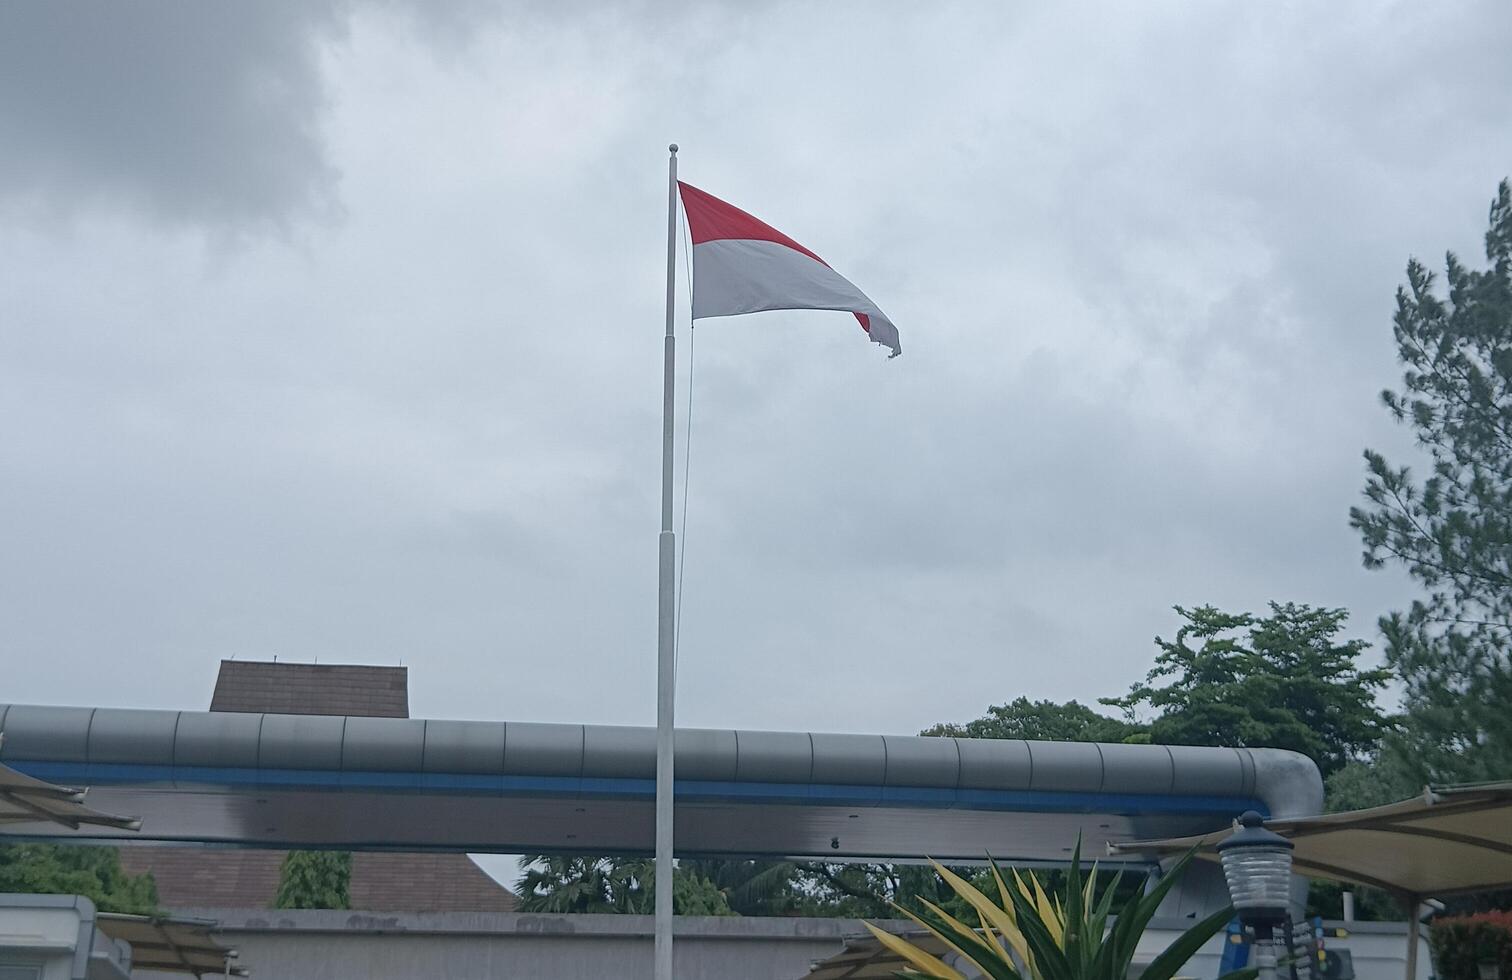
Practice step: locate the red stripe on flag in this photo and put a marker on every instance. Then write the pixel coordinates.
(712, 220)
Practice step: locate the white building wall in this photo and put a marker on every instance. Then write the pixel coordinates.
(330, 945)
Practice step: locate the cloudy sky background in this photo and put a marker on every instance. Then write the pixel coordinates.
(332, 330)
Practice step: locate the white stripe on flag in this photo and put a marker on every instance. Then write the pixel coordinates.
(738, 275)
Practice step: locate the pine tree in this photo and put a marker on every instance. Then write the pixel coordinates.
(1452, 529)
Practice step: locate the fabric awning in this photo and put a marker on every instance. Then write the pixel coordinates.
(171, 945)
(24, 799)
(1449, 841)
(866, 959)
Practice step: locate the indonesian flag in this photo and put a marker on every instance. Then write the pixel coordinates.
(744, 265)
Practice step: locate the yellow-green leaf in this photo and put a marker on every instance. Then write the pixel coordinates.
(1000, 918)
(917, 958)
(951, 942)
(1054, 921)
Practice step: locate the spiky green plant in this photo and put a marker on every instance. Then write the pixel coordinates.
(1027, 934)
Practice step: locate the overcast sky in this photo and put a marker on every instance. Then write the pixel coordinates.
(333, 331)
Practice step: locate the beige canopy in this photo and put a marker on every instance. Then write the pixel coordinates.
(24, 799)
(1447, 841)
(863, 958)
(171, 945)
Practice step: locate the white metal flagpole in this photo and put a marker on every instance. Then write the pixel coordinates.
(666, 613)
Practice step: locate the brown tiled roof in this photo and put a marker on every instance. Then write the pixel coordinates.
(207, 877)
(312, 689)
(384, 882)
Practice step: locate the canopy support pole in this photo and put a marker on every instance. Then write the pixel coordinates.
(1413, 904)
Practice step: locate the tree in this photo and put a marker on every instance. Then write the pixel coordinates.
(1358, 785)
(94, 872)
(691, 894)
(567, 884)
(867, 890)
(576, 884)
(1041, 720)
(1366, 783)
(1285, 681)
(315, 880)
(817, 888)
(753, 887)
(1452, 530)
(713, 886)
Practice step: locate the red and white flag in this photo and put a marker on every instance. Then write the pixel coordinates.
(744, 265)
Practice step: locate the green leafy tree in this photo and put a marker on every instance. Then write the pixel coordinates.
(1358, 785)
(94, 872)
(816, 888)
(692, 894)
(315, 880)
(1452, 529)
(753, 887)
(585, 884)
(566, 884)
(1285, 681)
(1369, 782)
(866, 890)
(576, 884)
(1042, 720)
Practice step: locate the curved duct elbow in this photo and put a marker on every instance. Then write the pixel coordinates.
(1288, 783)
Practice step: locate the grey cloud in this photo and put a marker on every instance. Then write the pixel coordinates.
(190, 112)
(1142, 259)
(193, 114)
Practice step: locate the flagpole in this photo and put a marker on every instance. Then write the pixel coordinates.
(666, 612)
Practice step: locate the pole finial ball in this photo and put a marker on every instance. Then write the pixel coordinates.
(672, 147)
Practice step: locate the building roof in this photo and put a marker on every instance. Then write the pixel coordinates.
(312, 689)
(382, 881)
(203, 877)
(208, 877)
